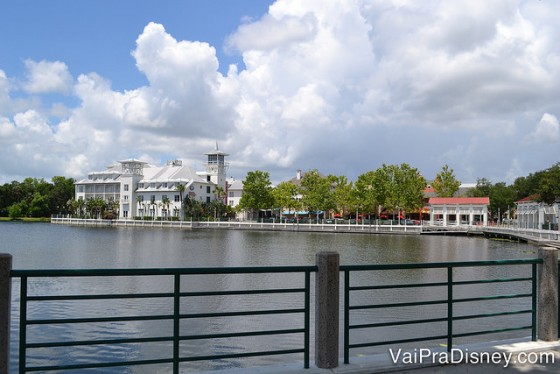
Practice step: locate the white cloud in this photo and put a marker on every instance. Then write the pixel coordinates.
(547, 130)
(47, 77)
(342, 86)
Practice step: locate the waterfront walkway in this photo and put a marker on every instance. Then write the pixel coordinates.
(545, 358)
(534, 236)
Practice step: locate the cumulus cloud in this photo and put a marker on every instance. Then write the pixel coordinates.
(547, 130)
(342, 86)
(186, 95)
(46, 77)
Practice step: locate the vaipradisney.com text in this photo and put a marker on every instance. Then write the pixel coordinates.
(457, 355)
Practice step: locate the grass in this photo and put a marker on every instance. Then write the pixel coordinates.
(25, 219)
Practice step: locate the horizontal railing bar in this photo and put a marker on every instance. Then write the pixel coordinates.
(160, 271)
(483, 281)
(99, 365)
(242, 313)
(241, 334)
(397, 323)
(401, 341)
(162, 295)
(97, 319)
(436, 284)
(99, 297)
(397, 305)
(492, 331)
(98, 342)
(485, 298)
(160, 317)
(393, 286)
(238, 355)
(242, 292)
(473, 316)
(436, 265)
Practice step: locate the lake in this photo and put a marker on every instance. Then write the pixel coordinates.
(46, 246)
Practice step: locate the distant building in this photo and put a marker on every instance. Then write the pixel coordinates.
(448, 211)
(532, 214)
(140, 189)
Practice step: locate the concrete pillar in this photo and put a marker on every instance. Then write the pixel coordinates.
(326, 309)
(547, 302)
(5, 299)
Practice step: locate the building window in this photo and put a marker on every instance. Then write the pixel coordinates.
(208, 200)
(165, 185)
(207, 189)
(163, 197)
(230, 193)
(141, 198)
(125, 214)
(153, 198)
(208, 178)
(126, 187)
(126, 198)
(231, 203)
(140, 185)
(177, 198)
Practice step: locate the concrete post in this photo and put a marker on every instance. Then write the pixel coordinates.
(547, 315)
(5, 299)
(326, 309)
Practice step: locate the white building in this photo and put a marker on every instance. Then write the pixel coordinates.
(144, 190)
(457, 211)
(234, 192)
(532, 214)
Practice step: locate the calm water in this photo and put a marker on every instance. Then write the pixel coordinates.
(46, 246)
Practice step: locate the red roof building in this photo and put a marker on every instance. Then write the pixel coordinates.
(469, 211)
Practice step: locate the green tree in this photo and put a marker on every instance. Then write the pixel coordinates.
(257, 192)
(482, 189)
(62, 190)
(399, 187)
(165, 202)
(549, 186)
(445, 183)
(317, 193)
(344, 194)
(502, 198)
(285, 196)
(366, 192)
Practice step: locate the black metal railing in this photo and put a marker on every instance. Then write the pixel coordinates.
(447, 303)
(175, 315)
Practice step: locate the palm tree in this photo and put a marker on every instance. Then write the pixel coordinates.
(140, 201)
(181, 189)
(166, 202)
(154, 210)
(220, 193)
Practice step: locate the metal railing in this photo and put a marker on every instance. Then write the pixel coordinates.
(175, 315)
(448, 302)
(445, 291)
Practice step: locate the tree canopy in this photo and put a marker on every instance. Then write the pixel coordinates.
(445, 183)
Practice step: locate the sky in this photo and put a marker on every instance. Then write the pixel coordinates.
(341, 86)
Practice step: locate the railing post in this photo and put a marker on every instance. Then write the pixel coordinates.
(327, 309)
(547, 315)
(5, 299)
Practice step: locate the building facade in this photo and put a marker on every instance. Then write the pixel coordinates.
(449, 211)
(532, 214)
(143, 190)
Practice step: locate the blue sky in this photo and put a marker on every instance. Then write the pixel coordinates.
(342, 86)
(99, 35)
